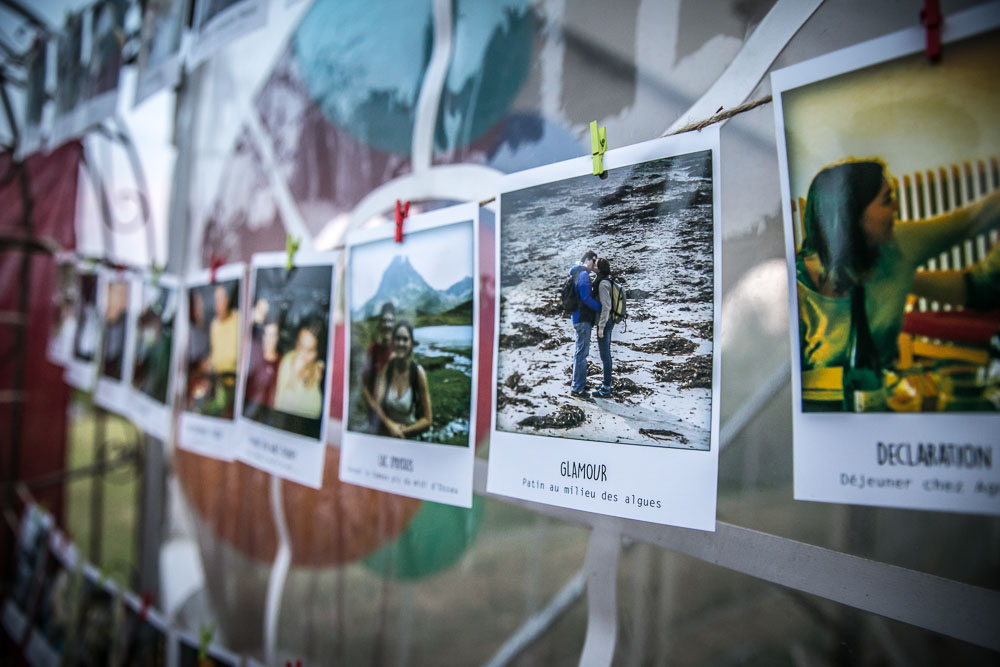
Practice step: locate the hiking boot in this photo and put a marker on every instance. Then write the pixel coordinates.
(582, 395)
(602, 393)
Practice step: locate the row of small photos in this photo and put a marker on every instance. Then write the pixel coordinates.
(166, 48)
(61, 610)
(407, 353)
(388, 348)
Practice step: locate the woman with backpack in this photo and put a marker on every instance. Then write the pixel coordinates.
(403, 399)
(605, 323)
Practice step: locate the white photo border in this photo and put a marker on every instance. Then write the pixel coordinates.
(445, 471)
(152, 416)
(80, 374)
(201, 434)
(835, 456)
(311, 452)
(683, 482)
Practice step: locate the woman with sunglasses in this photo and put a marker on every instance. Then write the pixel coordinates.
(403, 398)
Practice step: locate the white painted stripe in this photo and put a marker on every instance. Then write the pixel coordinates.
(433, 86)
(753, 61)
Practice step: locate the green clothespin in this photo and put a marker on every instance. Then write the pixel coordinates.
(291, 247)
(157, 269)
(598, 144)
(205, 634)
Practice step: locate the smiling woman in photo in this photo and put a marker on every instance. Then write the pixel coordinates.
(300, 374)
(852, 240)
(402, 397)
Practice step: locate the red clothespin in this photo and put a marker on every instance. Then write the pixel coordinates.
(931, 17)
(213, 266)
(402, 210)
(147, 598)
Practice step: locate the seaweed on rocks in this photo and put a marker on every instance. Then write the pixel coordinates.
(513, 382)
(703, 330)
(503, 400)
(526, 336)
(548, 308)
(625, 387)
(566, 416)
(694, 373)
(663, 435)
(667, 345)
(554, 342)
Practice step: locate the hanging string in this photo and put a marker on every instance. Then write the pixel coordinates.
(720, 116)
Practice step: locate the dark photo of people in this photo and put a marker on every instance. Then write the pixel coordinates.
(285, 382)
(115, 318)
(88, 320)
(143, 644)
(106, 39)
(213, 343)
(154, 341)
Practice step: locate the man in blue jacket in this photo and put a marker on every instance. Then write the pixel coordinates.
(583, 321)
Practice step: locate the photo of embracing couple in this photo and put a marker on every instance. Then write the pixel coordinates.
(600, 304)
(625, 262)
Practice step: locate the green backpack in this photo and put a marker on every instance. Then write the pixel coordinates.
(619, 311)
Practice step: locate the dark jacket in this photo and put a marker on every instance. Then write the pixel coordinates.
(589, 308)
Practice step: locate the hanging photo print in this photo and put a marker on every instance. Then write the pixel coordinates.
(53, 624)
(891, 231)
(286, 366)
(159, 62)
(154, 354)
(117, 305)
(605, 367)
(100, 87)
(412, 338)
(69, 80)
(218, 22)
(29, 568)
(211, 361)
(90, 641)
(63, 323)
(144, 637)
(35, 96)
(81, 369)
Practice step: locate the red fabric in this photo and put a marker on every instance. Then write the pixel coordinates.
(52, 181)
(967, 326)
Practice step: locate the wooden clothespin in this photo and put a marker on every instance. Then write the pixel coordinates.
(146, 599)
(402, 211)
(598, 144)
(931, 17)
(213, 266)
(205, 634)
(291, 247)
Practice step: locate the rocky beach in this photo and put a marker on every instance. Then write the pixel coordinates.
(653, 221)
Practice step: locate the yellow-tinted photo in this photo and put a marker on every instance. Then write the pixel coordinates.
(895, 188)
